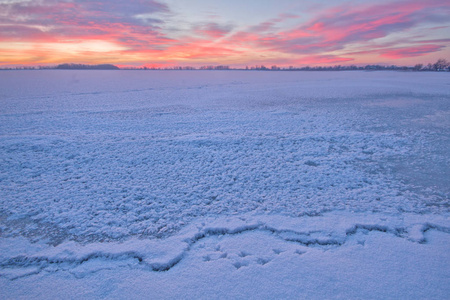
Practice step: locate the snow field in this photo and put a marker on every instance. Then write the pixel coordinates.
(223, 180)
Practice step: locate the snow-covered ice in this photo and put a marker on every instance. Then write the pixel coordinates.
(224, 184)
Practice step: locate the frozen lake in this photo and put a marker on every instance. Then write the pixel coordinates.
(237, 174)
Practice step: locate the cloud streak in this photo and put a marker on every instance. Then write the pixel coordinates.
(410, 51)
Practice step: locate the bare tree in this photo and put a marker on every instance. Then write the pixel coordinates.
(418, 67)
(441, 64)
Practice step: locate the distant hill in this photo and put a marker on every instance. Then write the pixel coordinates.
(86, 67)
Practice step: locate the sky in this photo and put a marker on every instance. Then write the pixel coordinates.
(238, 33)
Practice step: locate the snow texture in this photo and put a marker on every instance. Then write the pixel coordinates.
(237, 184)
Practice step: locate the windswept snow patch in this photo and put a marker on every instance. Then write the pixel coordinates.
(325, 232)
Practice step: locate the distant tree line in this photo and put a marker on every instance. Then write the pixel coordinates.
(70, 67)
(440, 65)
(86, 67)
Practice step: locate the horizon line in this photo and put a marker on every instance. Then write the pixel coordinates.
(440, 64)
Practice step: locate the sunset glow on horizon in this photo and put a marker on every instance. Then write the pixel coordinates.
(235, 33)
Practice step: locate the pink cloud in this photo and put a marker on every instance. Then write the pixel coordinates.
(411, 51)
(346, 25)
(213, 30)
(80, 20)
(341, 26)
(23, 33)
(323, 59)
(271, 24)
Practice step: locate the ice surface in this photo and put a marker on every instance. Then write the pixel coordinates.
(224, 177)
